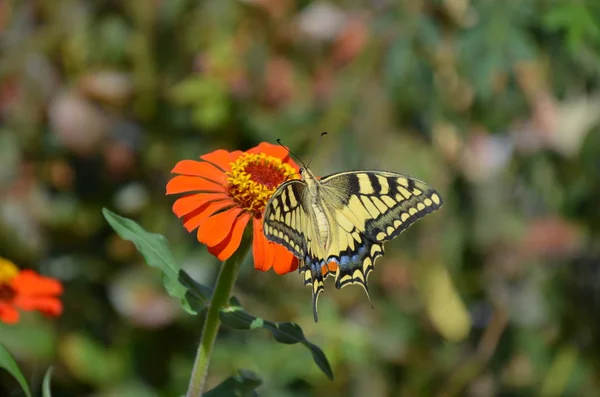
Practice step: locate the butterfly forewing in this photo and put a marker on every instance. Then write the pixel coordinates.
(383, 203)
(285, 218)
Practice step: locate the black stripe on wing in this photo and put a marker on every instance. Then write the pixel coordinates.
(284, 217)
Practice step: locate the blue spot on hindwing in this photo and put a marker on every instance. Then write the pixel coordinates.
(345, 260)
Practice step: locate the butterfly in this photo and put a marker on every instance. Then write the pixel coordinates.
(344, 218)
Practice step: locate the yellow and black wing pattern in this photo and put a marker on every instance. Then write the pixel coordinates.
(360, 210)
(373, 207)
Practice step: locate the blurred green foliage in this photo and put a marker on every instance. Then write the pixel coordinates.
(493, 102)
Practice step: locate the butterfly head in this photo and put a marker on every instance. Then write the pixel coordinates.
(312, 183)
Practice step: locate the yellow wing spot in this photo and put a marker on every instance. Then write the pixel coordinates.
(399, 198)
(404, 192)
(367, 265)
(417, 192)
(389, 230)
(412, 210)
(380, 236)
(404, 216)
(379, 204)
(278, 213)
(345, 279)
(276, 203)
(428, 202)
(369, 207)
(364, 184)
(358, 275)
(293, 221)
(316, 285)
(292, 196)
(286, 239)
(397, 224)
(375, 249)
(384, 185)
(435, 198)
(420, 206)
(288, 218)
(403, 182)
(271, 217)
(356, 236)
(388, 201)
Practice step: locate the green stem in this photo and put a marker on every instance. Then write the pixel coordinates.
(223, 287)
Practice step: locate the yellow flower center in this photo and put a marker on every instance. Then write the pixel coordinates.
(254, 178)
(8, 270)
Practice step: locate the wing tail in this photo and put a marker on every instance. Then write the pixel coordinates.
(313, 276)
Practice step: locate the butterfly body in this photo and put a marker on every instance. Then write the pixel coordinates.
(344, 219)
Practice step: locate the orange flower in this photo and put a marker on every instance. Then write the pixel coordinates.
(227, 189)
(26, 290)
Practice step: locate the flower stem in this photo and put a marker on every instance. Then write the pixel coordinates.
(223, 287)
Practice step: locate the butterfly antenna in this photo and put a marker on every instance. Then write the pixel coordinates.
(290, 152)
(317, 148)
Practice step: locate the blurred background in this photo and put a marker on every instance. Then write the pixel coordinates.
(496, 103)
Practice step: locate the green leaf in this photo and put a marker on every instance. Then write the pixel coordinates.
(155, 249)
(46, 384)
(236, 317)
(9, 364)
(240, 385)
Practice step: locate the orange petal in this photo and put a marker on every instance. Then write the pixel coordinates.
(269, 254)
(284, 261)
(258, 245)
(269, 149)
(192, 220)
(221, 158)
(28, 282)
(8, 314)
(47, 305)
(227, 247)
(187, 204)
(200, 168)
(184, 183)
(217, 227)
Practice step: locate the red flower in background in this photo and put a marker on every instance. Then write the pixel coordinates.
(225, 191)
(26, 290)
